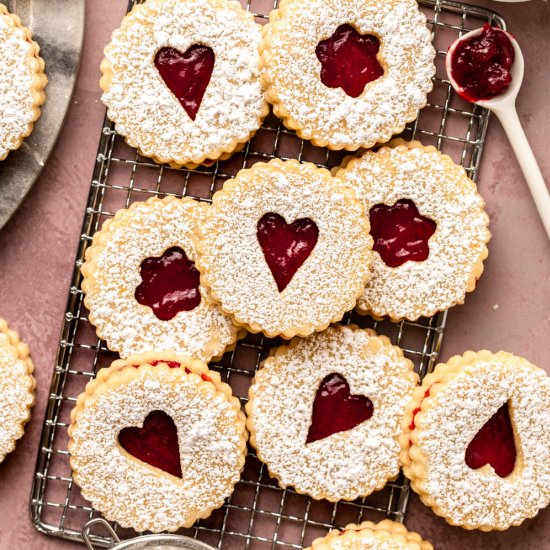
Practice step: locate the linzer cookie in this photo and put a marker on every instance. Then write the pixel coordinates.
(347, 74)
(429, 227)
(142, 287)
(476, 440)
(324, 412)
(181, 79)
(22, 82)
(285, 249)
(385, 535)
(156, 447)
(17, 386)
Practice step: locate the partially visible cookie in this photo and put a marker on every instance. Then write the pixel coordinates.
(22, 82)
(17, 386)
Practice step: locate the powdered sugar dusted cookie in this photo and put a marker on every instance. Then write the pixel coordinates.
(17, 386)
(156, 447)
(22, 82)
(324, 412)
(284, 248)
(347, 74)
(142, 287)
(429, 227)
(476, 440)
(181, 79)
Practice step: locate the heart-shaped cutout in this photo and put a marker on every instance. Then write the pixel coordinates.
(335, 409)
(286, 246)
(156, 443)
(494, 444)
(348, 60)
(186, 74)
(400, 232)
(170, 284)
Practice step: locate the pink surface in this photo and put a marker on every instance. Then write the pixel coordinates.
(509, 310)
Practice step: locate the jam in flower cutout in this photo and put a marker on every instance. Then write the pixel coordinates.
(335, 409)
(186, 74)
(348, 60)
(286, 246)
(400, 233)
(156, 443)
(494, 444)
(170, 284)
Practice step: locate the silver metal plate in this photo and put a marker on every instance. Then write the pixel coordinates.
(58, 27)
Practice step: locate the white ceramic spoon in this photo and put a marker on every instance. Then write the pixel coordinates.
(504, 107)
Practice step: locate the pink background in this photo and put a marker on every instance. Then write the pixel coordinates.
(509, 310)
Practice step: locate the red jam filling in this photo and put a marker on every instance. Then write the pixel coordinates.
(494, 444)
(348, 60)
(481, 65)
(400, 233)
(170, 284)
(335, 409)
(286, 246)
(156, 443)
(186, 74)
(176, 365)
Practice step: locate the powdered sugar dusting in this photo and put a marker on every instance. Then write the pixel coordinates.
(480, 498)
(329, 115)
(146, 111)
(442, 192)
(211, 443)
(112, 274)
(347, 464)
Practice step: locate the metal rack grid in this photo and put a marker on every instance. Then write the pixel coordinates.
(259, 514)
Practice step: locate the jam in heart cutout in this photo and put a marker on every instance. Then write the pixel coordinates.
(400, 233)
(186, 74)
(494, 444)
(348, 60)
(156, 443)
(170, 284)
(335, 409)
(286, 246)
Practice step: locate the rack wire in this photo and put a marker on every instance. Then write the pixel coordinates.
(259, 515)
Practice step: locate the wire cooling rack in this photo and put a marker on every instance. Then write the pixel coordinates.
(259, 514)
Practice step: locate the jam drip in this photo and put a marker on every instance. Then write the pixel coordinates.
(400, 233)
(348, 60)
(494, 444)
(186, 74)
(156, 443)
(170, 284)
(481, 65)
(335, 409)
(286, 246)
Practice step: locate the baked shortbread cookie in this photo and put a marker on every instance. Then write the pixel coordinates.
(17, 386)
(181, 80)
(157, 447)
(324, 412)
(476, 440)
(22, 82)
(142, 287)
(284, 249)
(429, 227)
(385, 535)
(347, 74)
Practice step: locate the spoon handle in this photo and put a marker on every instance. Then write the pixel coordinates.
(512, 126)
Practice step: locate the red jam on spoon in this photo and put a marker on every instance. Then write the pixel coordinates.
(481, 65)
(348, 60)
(170, 284)
(400, 233)
(335, 409)
(286, 246)
(186, 74)
(156, 443)
(494, 444)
